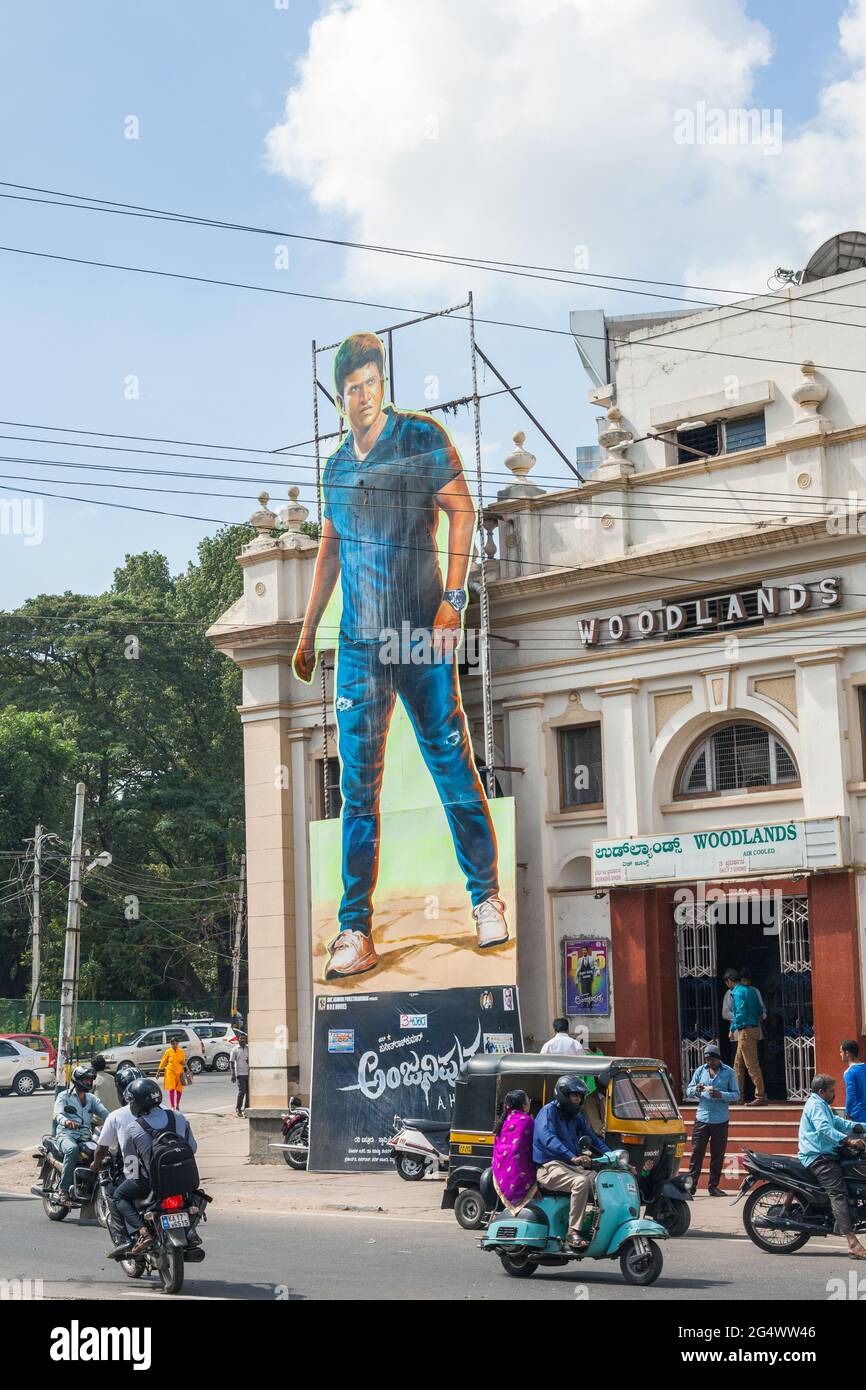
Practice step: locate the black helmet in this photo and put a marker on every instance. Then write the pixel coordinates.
(83, 1077)
(144, 1095)
(570, 1094)
(126, 1073)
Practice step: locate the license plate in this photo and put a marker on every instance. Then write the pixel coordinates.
(175, 1218)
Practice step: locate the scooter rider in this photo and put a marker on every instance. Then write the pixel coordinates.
(73, 1130)
(122, 1128)
(559, 1128)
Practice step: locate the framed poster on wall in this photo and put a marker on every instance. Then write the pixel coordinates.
(586, 976)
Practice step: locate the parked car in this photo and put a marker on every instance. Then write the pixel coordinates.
(146, 1048)
(218, 1039)
(22, 1070)
(37, 1042)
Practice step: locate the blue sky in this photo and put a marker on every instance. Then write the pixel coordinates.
(206, 80)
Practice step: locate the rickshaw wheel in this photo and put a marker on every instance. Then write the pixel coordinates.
(639, 1267)
(518, 1266)
(469, 1209)
(676, 1218)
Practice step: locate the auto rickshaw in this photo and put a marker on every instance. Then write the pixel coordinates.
(632, 1107)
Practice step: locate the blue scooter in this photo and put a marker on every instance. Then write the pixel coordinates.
(537, 1235)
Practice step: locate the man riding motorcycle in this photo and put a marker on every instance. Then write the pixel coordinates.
(122, 1128)
(73, 1129)
(560, 1128)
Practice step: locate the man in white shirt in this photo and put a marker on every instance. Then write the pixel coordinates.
(239, 1066)
(562, 1041)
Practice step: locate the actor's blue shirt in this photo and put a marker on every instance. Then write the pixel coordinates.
(821, 1132)
(85, 1111)
(745, 1007)
(557, 1137)
(713, 1110)
(385, 513)
(855, 1092)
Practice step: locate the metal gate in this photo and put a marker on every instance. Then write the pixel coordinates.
(696, 972)
(796, 960)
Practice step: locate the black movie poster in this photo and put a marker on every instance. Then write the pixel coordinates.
(381, 1058)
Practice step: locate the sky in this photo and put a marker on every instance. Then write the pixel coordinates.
(559, 133)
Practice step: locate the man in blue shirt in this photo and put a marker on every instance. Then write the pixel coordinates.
(821, 1133)
(556, 1150)
(714, 1086)
(746, 1011)
(385, 489)
(855, 1081)
(76, 1110)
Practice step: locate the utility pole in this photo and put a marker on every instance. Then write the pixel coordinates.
(36, 942)
(69, 988)
(236, 948)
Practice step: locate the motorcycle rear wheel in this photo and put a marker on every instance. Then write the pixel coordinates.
(171, 1269)
(766, 1199)
(518, 1266)
(299, 1135)
(410, 1168)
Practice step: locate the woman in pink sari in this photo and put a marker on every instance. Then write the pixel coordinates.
(513, 1168)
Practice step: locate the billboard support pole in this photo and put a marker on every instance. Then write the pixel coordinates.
(326, 779)
(486, 689)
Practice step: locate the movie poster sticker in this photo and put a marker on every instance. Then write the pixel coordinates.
(586, 976)
(408, 1051)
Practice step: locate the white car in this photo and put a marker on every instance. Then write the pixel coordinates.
(147, 1047)
(22, 1070)
(218, 1039)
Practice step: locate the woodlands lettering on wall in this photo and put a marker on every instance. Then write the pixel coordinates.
(693, 616)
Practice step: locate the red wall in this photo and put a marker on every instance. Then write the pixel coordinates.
(835, 967)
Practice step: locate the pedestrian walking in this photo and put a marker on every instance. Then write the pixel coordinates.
(714, 1086)
(176, 1072)
(746, 1013)
(239, 1067)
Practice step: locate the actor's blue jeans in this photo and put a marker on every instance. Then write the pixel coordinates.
(366, 692)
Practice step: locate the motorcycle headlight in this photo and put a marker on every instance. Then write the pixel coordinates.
(621, 1158)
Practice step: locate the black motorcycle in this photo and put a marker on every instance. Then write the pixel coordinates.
(175, 1241)
(84, 1195)
(789, 1206)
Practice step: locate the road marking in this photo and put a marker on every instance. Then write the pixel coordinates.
(338, 1215)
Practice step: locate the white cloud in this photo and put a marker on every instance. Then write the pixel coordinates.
(523, 129)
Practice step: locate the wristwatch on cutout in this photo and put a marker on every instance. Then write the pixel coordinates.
(457, 599)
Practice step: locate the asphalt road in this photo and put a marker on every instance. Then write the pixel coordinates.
(24, 1118)
(258, 1255)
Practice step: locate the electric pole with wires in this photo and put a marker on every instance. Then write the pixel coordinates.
(236, 946)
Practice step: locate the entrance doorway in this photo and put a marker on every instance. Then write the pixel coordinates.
(766, 935)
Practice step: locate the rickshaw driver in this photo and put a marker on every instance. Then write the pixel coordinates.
(559, 1128)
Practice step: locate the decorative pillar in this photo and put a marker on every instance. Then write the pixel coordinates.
(619, 742)
(822, 756)
(525, 743)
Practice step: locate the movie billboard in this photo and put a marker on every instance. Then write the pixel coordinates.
(586, 976)
(382, 1058)
(413, 886)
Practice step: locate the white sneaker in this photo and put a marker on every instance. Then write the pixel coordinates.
(490, 923)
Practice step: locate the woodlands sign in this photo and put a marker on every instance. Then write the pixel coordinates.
(697, 615)
(729, 852)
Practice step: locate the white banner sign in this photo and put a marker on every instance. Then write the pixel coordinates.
(772, 847)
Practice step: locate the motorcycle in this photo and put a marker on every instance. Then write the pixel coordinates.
(172, 1223)
(788, 1206)
(296, 1135)
(83, 1196)
(419, 1147)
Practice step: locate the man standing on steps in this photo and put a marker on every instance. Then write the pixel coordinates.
(746, 1030)
(714, 1087)
(384, 490)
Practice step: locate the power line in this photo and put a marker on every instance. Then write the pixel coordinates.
(402, 309)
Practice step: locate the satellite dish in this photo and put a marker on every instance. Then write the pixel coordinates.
(843, 252)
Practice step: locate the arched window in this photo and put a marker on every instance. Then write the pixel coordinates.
(734, 758)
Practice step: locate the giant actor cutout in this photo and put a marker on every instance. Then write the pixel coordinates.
(385, 490)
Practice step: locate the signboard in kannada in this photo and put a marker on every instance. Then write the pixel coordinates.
(702, 854)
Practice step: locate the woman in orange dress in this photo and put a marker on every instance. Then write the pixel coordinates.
(174, 1065)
